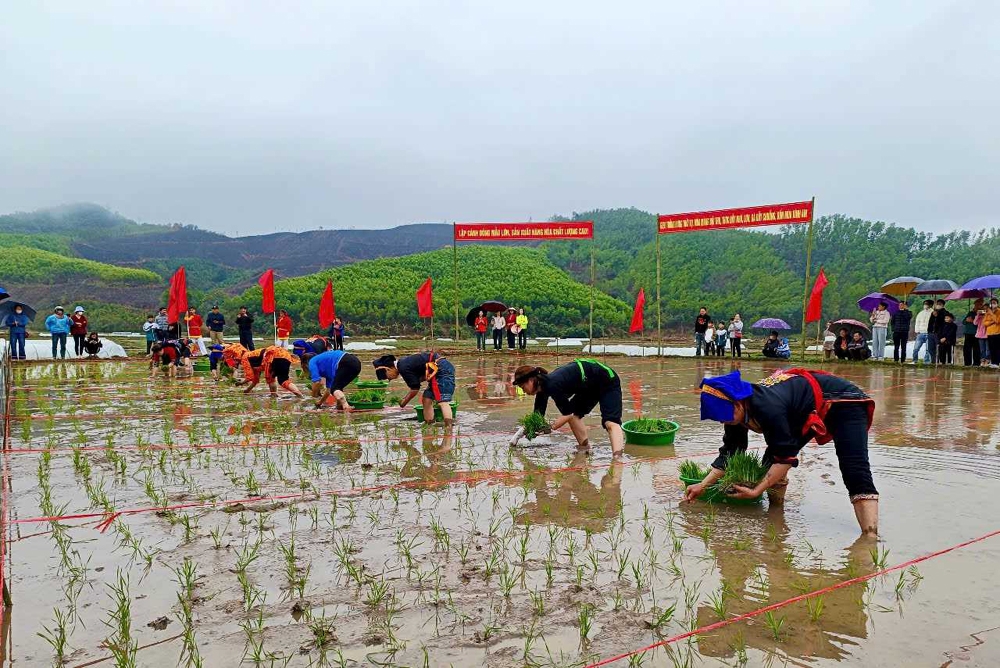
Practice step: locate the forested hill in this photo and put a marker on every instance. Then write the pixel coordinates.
(756, 272)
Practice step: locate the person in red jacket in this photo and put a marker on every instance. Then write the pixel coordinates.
(194, 323)
(480, 324)
(284, 328)
(511, 320)
(78, 329)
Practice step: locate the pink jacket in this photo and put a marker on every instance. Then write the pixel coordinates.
(980, 325)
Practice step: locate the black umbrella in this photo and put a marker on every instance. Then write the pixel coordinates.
(8, 307)
(485, 307)
(938, 286)
(4, 294)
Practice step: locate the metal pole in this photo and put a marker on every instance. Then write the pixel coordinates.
(805, 295)
(454, 245)
(659, 330)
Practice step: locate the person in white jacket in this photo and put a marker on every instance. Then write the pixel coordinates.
(880, 319)
(920, 328)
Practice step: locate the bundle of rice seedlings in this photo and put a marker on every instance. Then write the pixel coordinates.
(533, 423)
(692, 470)
(366, 396)
(650, 426)
(744, 469)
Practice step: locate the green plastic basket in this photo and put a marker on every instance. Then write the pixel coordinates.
(366, 405)
(646, 438)
(371, 384)
(202, 366)
(714, 495)
(437, 411)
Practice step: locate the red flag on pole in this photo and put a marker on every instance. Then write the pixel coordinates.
(815, 309)
(640, 304)
(327, 309)
(177, 301)
(425, 300)
(266, 282)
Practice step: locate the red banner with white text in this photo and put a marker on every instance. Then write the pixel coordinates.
(751, 216)
(578, 229)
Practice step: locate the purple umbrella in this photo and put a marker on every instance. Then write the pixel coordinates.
(991, 282)
(869, 303)
(770, 323)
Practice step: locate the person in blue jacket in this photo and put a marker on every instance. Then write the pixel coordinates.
(330, 373)
(18, 323)
(58, 325)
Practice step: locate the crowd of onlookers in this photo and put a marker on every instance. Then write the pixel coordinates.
(60, 327)
(936, 331)
(511, 325)
(712, 337)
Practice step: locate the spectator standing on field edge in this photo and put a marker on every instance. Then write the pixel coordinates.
(970, 346)
(18, 323)
(149, 328)
(981, 336)
(700, 325)
(880, 319)
(480, 327)
(194, 324)
(58, 324)
(920, 328)
(336, 333)
(522, 332)
(509, 321)
(216, 323)
(934, 328)
(736, 335)
(78, 329)
(499, 324)
(244, 323)
(284, 327)
(162, 326)
(991, 321)
(901, 332)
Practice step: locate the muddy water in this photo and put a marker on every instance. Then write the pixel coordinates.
(472, 530)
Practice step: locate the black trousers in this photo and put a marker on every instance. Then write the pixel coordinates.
(944, 353)
(511, 339)
(246, 339)
(899, 346)
(993, 341)
(848, 424)
(522, 339)
(497, 339)
(970, 350)
(737, 346)
(78, 340)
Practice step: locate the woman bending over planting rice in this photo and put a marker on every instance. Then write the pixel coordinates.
(429, 367)
(790, 408)
(577, 388)
(330, 373)
(274, 363)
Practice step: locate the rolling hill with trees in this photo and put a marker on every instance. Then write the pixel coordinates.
(756, 272)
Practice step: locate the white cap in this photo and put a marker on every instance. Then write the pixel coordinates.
(78, 309)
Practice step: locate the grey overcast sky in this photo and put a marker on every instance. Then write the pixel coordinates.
(250, 116)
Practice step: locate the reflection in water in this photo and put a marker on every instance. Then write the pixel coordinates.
(759, 567)
(495, 388)
(569, 498)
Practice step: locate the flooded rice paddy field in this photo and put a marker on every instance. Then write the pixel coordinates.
(371, 540)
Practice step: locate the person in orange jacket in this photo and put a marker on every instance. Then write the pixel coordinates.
(284, 329)
(194, 323)
(274, 363)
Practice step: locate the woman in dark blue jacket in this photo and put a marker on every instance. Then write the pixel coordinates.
(18, 324)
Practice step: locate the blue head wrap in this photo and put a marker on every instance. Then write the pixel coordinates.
(299, 346)
(719, 393)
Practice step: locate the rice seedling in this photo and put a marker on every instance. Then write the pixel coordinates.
(120, 643)
(774, 624)
(622, 563)
(650, 426)
(585, 619)
(739, 647)
(880, 557)
(718, 602)
(533, 424)
(661, 617)
(537, 602)
(56, 636)
(815, 607)
(744, 469)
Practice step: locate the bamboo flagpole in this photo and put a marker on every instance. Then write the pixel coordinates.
(454, 246)
(593, 273)
(805, 295)
(659, 330)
